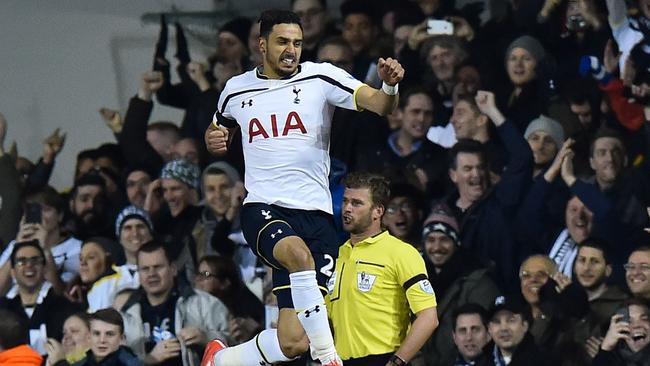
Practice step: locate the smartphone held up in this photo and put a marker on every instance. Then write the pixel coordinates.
(438, 27)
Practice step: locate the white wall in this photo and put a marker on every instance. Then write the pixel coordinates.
(60, 61)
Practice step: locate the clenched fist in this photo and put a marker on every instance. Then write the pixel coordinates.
(216, 140)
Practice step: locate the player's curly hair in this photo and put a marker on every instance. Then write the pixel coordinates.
(269, 18)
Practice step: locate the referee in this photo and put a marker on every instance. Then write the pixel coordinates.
(379, 282)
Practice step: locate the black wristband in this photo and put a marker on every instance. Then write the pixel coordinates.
(395, 359)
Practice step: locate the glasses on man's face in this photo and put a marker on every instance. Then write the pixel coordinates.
(34, 261)
(204, 275)
(538, 276)
(643, 267)
(404, 208)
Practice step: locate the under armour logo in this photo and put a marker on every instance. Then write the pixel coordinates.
(250, 103)
(266, 214)
(316, 309)
(276, 233)
(296, 100)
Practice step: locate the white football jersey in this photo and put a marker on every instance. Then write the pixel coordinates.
(285, 127)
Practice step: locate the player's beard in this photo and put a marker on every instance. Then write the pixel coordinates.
(275, 65)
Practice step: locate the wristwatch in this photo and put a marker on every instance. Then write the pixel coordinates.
(396, 360)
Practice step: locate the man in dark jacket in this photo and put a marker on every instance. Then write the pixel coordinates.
(457, 277)
(512, 344)
(106, 337)
(628, 339)
(408, 149)
(470, 333)
(592, 270)
(481, 207)
(34, 298)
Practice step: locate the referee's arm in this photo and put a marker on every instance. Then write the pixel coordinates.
(425, 323)
(382, 101)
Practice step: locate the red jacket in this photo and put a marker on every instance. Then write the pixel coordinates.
(20, 356)
(630, 115)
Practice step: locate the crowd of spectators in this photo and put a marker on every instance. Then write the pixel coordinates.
(519, 157)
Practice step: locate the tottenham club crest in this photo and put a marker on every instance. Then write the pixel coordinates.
(296, 100)
(365, 281)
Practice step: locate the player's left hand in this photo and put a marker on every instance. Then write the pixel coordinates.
(390, 71)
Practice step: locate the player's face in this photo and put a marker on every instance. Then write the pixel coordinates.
(281, 50)
(359, 213)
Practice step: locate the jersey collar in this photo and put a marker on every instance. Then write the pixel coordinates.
(370, 240)
(264, 77)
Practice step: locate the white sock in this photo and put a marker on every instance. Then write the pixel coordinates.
(264, 349)
(310, 307)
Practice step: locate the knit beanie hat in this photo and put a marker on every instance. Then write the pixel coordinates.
(531, 45)
(240, 27)
(548, 125)
(183, 171)
(441, 220)
(132, 212)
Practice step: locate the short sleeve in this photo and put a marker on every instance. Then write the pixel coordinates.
(222, 115)
(340, 87)
(412, 274)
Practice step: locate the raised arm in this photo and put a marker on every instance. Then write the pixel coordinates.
(382, 101)
(42, 172)
(133, 139)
